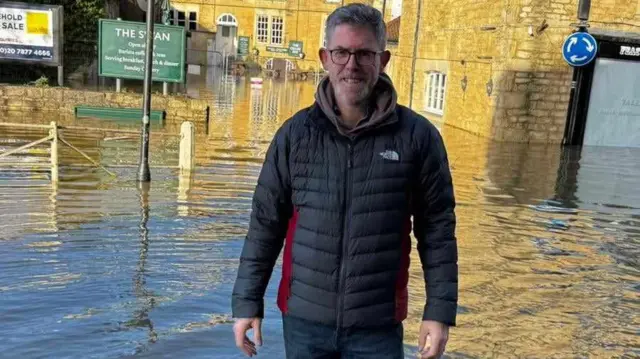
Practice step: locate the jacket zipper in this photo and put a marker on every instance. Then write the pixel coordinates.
(345, 233)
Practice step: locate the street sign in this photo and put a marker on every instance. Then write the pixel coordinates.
(279, 50)
(579, 49)
(243, 45)
(122, 45)
(295, 48)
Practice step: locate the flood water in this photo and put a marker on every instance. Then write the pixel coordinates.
(96, 267)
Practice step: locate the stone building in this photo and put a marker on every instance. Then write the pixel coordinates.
(271, 29)
(495, 68)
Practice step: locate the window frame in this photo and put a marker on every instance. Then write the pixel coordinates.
(174, 18)
(323, 33)
(435, 92)
(270, 36)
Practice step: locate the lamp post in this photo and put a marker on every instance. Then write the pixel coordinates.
(143, 170)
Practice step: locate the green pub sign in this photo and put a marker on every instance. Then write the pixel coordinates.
(243, 45)
(295, 48)
(278, 50)
(121, 49)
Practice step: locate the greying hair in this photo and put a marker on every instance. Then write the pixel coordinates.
(358, 15)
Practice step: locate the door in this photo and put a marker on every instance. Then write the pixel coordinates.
(226, 36)
(613, 118)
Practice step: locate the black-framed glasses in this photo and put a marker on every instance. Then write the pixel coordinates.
(363, 57)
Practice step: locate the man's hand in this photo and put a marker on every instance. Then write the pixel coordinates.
(433, 339)
(243, 343)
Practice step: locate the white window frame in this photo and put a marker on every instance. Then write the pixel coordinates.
(262, 34)
(435, 92)
(227, 19)
(396, 8)
(270, 35)
(273, 34)
(323, 33)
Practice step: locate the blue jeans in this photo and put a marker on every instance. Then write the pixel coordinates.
(308, 340)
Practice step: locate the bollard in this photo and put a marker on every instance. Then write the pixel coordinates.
(53, 133)
(187, 147)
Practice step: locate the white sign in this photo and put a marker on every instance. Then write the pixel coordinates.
(26, 34)
(629, 50)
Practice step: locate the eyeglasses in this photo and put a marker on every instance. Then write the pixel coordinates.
(363, 57)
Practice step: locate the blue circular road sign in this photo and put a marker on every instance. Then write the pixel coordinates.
(579, 49)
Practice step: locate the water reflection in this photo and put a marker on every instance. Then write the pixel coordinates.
(146, 299)
(549, 242)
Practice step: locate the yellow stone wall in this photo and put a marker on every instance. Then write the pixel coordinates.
(33, 100)
(303, 22)
(490, 43)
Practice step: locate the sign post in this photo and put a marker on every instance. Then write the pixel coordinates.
(578, 50)
(125, 51)
(144, 174)
(32, 33)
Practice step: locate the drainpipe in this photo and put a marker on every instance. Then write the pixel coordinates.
(415, 51)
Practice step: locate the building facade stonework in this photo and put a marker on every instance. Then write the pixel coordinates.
(269, 25)
(495, 68)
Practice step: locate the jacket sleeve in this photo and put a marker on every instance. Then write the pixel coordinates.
(271, 209)
(434, 228)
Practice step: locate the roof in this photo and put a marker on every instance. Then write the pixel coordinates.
(393, 30)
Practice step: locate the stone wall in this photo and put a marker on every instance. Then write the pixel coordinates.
(531, 106)
(303, 21)
(57, 99)
(509, 52)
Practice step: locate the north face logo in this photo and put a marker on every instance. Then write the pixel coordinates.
(390, 155)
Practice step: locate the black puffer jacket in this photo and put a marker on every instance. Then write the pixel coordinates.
(343, 207)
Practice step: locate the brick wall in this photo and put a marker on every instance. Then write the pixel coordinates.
(63, 100)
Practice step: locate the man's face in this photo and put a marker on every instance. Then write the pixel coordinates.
(353, 79)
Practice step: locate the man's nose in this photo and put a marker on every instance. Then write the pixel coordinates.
(352, 63)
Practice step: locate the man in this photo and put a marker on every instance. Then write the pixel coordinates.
(339, 186)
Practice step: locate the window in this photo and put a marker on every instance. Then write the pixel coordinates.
(323, 33)
(277, 30)
(227, 20)
(179, 18)
(270, 29)
(193, 20)
(263, 28)
(435, 91)
(396, 8)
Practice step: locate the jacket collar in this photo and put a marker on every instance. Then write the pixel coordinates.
(315, 117)
(381, 112)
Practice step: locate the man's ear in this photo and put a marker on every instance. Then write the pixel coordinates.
(324, 56)
(384, 59)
